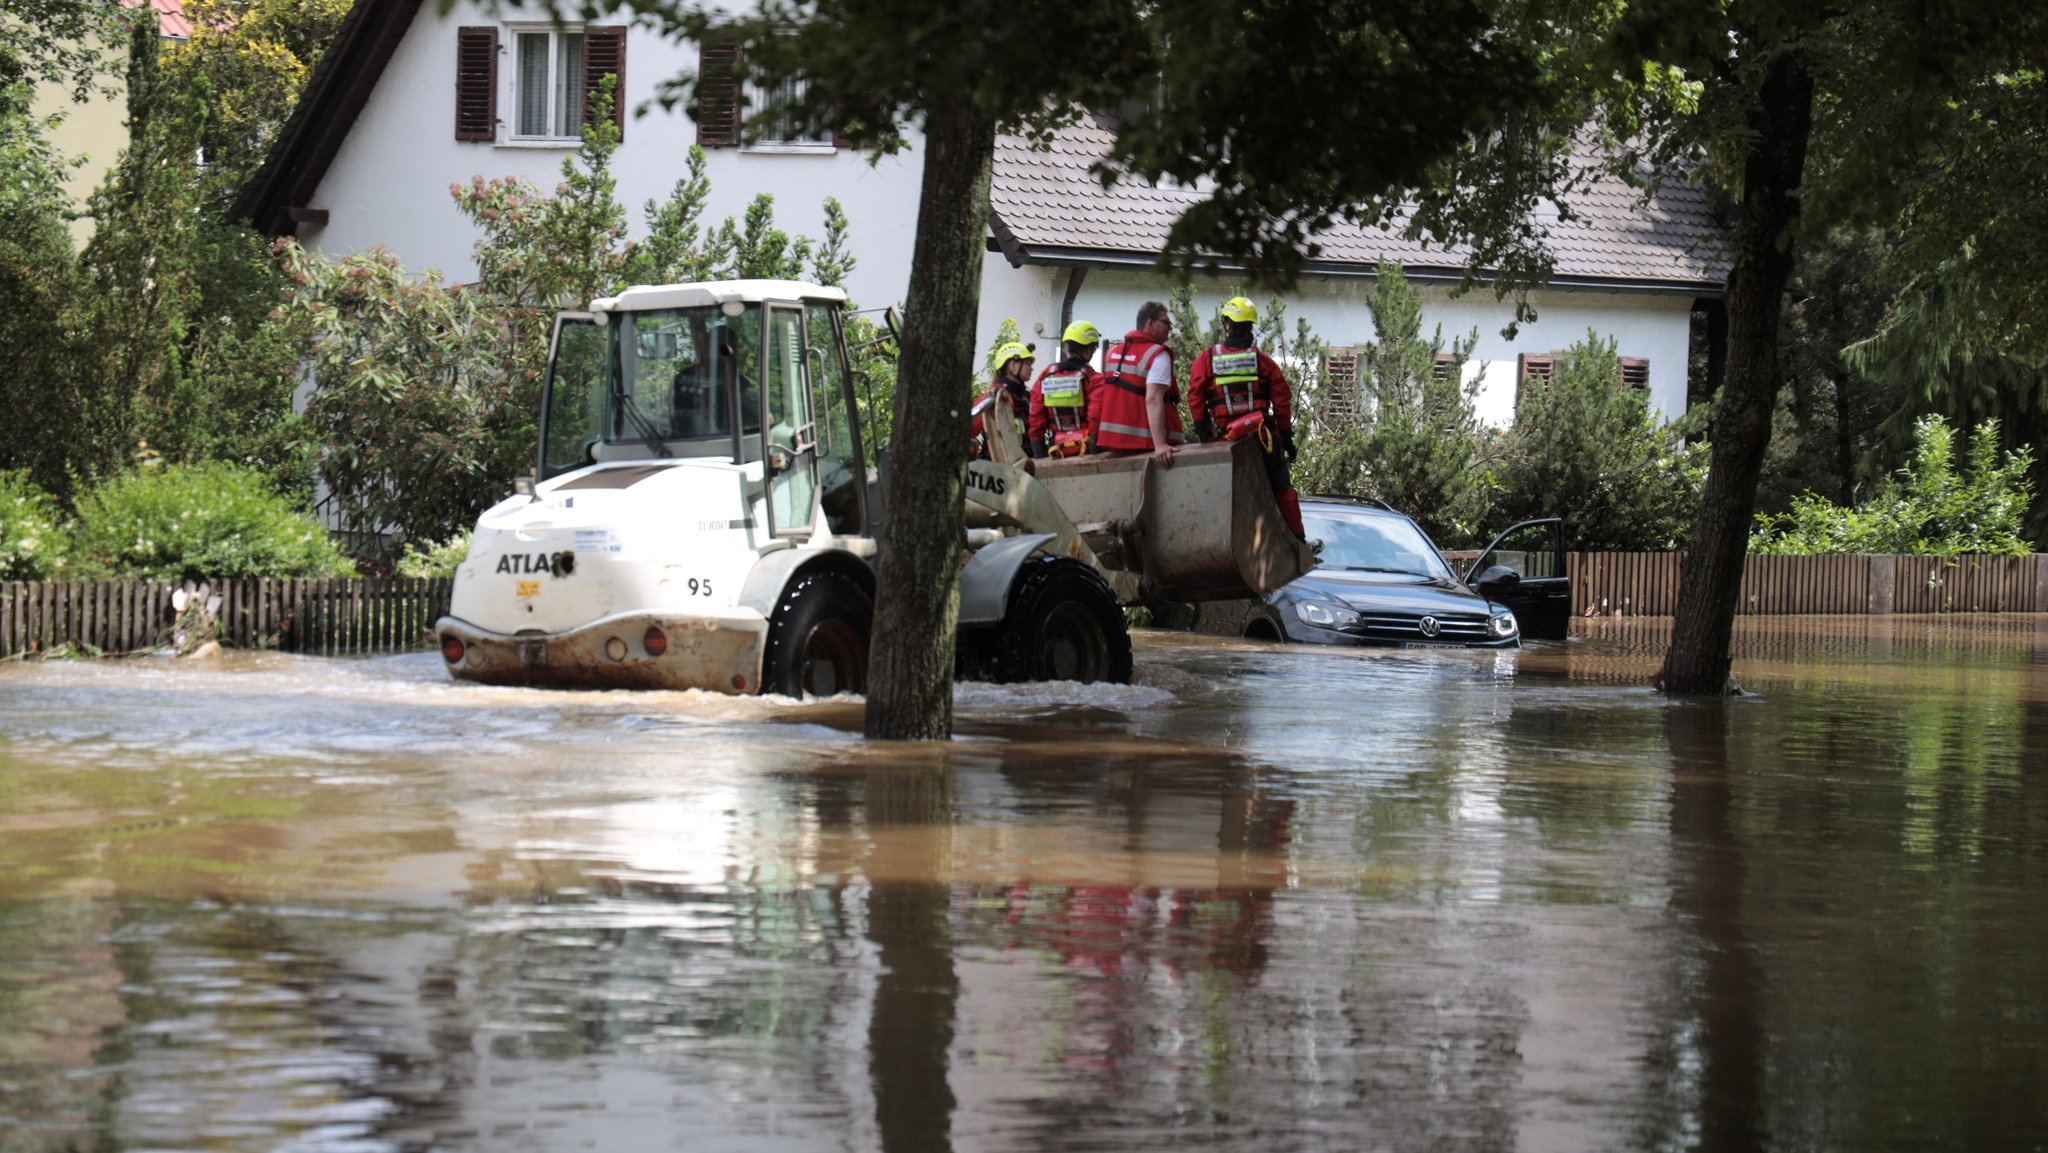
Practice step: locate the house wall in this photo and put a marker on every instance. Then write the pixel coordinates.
(389, 183)
(95, 132)
(1655, 328)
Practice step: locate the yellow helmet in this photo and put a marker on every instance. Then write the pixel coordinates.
(1239, 309)
(1014, 350)
(1082, 332)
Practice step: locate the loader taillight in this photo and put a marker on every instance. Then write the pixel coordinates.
(655, 640)
(451, 649)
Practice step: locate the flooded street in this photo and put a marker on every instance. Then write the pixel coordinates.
(1267, 898)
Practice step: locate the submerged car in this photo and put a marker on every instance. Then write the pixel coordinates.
(1382, 581)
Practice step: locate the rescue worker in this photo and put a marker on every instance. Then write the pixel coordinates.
(1140, 409)
(1065, 397)
(1236, 392)
(1013, 383)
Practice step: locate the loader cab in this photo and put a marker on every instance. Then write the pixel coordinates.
(749, 373)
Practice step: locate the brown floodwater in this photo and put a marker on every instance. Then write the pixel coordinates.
(1265, 899)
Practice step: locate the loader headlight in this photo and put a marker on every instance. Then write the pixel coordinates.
(1325, 616)
(1503, 625)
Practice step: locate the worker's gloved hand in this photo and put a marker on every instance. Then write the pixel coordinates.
(1035, 448)
(1205, 430)
(1287, 445)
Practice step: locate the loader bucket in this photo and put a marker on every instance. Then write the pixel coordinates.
(1205, 529)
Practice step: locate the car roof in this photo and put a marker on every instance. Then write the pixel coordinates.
(1361, 503)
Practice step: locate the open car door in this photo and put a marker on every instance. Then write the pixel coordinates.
(1542, 599)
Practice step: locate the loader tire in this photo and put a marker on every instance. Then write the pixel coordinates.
(818, 638)
(1063, 625)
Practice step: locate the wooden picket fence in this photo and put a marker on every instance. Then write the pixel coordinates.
(376, 614)
(1635, 584)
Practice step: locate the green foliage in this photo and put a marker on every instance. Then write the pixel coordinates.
(542, 252)
(1006, 332)
(33, 545)
(678, 249)
(1932, 506)
(168, 311)
(873, 355)
(421, 410)
(253, 57)
(200, 521)
(1418, 443)
(1591, 451)
(437, 559)
(673, 252)
(40, 409)
(60, 41)
(1830, 433)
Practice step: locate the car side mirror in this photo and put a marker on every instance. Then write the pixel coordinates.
(1498, 578)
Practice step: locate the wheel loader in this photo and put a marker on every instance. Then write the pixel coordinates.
(702, 515)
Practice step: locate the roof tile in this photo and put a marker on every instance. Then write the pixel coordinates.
(1050, 201)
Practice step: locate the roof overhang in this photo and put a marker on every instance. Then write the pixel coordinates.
(277, 199)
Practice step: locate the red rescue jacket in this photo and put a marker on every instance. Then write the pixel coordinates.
(1120, 420)
(1064, 427)
(1020, 407)
(1225, 401)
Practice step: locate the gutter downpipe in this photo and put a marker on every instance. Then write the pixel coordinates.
(1075, 276)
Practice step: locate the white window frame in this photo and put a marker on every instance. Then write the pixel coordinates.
(756, 100)
(512, 137)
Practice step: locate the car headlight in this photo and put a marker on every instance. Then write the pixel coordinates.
(1503, 625)
(1325, 616)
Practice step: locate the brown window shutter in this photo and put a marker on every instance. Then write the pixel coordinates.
(1445, 368)
(1528, 368)
(717, 110)
(476, 83)
(604, 54)
(1635, 373)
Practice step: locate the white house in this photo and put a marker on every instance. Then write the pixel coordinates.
(408, 101)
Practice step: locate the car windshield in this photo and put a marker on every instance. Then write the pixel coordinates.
(1368, 542)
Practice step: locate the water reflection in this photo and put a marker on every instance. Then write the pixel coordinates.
(1267, 898)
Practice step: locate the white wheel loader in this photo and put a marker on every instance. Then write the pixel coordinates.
(702, 517)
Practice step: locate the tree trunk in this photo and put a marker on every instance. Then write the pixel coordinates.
(917, 598)
(1711, 582)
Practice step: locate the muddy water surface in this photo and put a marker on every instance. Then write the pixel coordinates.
(1265, 899)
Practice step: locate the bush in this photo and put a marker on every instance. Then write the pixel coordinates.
(1411, 435)
(1930, 507)
(1588, 450)
(200, 521)
(32, 543)
(436, 560)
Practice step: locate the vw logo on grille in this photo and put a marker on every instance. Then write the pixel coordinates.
(1428, 626)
